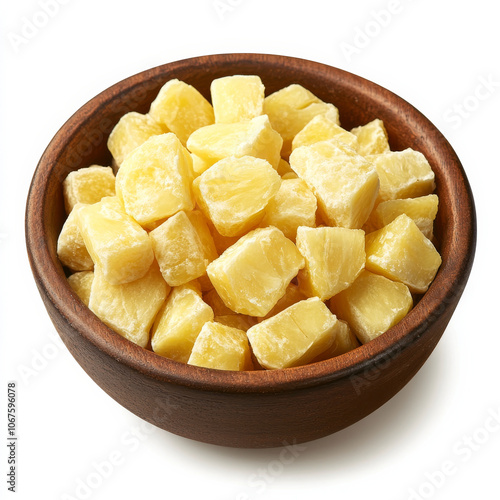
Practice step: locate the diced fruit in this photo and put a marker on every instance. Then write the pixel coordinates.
(402, 253)
(403, 174)
(131, 131)
(251, 138)
(239, 321)
(372, 305)
(345, 183)
(284, 167)
(71, 248)
(289, 175)
(179, 323)
(334, 258)
(292, 296)
(199, 165)
(182, 109)
(114, 240)
(129, 309)
(154, 180)
(253, 274)
(345, 341)
(81, 283)
(372, 138)
(88, 185)
(422, 210)
(294, 336)
(221, 347)
(234, 192)
(222, 243)
(321, 128)
(237, 98)
(195, 286)
(291, 109)
(292, 206)
(182, 248)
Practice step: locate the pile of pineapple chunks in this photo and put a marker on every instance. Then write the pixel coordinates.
(252, 232)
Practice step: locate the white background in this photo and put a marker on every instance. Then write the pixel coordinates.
(436, 55)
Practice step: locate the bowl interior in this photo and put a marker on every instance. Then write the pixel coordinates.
(82, 142)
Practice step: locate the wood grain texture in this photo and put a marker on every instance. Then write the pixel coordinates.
(262, 408)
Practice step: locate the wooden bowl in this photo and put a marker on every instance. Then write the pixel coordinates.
(261, 408)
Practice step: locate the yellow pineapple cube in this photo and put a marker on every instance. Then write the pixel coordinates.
(182, 109)
(292, 296)
(345, 183)
(180, 250)
(402, 253)
(216, 303)
(251, 138)
(372, 138)
(114, 240)
(291, 109)
(294, 336)
(131, 308)
(88, 185)
(154, 181)
(253, 274)
(199, 165)
(403, 174)
(240, 321)
(292, 206)
(322, 128)
(234, 192)
(81, 283)
(422, 210)
(237, 98)
(344, 341)
(334, 257)
(372, 305)
(131, 131)
(179, 323)
(221, 347)
(71, 248)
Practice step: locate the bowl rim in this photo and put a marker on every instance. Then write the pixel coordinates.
(440, 299)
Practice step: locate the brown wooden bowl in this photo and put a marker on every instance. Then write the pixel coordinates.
(261, 408)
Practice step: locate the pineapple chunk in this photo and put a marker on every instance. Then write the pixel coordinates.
(221, 347)
(71, 248)
(422, 210)
(116, 243)
(345, 341)
(252, 275)
(237, 98)
(129, 309)
(180, 249)
(154, 180)
(81, 283)
(334, 258)
(222, 243)
(239, 321)
(234, 192)
(372, 138)
(402, 253)
(321, 128)
(179, 323)
(372, 305)
(199, 165)
(292, 296)
(294, 336)
(292, 206)
(131, 131)
(252, 138)
(403, 174)
(182, 109)
(289, 175)
(88, 185)
(291, 109)
(345, 183)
